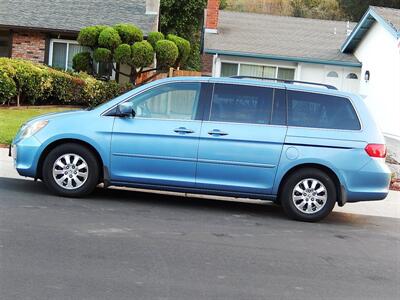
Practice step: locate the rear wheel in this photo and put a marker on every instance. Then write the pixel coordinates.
(308, 195)
(71, 170)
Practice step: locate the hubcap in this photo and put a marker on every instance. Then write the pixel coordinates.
(70, 171)
(309, 196)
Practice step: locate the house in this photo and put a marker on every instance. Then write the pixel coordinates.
(360, 58)
(45, 31)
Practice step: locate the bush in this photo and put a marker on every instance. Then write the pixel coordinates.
(39, 84)
(154, 37)
(82, 62)
(129, 33)
(109, 38)
(167, 53)
(183, 47)
(122, 54)
(142, 54)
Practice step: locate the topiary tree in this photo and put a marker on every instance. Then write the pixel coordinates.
(183, 47)
(124, 44)
(167, 53)
(81, 62)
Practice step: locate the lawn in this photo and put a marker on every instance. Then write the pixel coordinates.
(12, 119)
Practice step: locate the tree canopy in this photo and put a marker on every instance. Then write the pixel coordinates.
(125, 44)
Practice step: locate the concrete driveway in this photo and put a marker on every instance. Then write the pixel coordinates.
(120, 244)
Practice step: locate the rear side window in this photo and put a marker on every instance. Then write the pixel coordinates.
(321, 111)
(241, 104)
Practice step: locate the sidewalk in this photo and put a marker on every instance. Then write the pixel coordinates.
(390, 207)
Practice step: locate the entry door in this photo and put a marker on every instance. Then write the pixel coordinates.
(159, 145)
(239, 150)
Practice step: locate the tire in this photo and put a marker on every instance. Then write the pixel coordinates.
(317, 199)
(77, 178)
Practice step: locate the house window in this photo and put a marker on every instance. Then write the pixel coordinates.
(62, 52)
(232, 69)
(4, 44)
(352, 76)
(333, 74)
(228, 69)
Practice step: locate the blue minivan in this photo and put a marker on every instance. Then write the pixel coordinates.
(304, 147)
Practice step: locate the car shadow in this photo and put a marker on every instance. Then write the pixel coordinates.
(20, 189)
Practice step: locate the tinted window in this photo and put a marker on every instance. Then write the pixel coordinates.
(279, 108)
(170, 101)
(241, 104)
(321, 111)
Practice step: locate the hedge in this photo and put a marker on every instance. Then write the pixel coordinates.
(38, 84)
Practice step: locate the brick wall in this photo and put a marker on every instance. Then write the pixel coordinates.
(29, 45)
(207, 64)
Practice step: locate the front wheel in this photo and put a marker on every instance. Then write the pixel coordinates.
(308, 195)
(71, 170)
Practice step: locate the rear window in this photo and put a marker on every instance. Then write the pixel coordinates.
(321, 111)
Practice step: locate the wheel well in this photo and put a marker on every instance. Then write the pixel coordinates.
(64, 141)
(323, 168)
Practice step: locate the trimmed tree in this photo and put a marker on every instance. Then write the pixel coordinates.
(124, 44)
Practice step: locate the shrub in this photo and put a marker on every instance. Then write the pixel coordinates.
(129, 33)
(167, 53)
(183, 47)
(142, 54)
(8, 89)
(154, 37)
(82, 62)
(102, 55)
(109, 38)
(39, 84)
(122, 54)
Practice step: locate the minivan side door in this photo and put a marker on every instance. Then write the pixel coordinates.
(159, 145)
(239, 148)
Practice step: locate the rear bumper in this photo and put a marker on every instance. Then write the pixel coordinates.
(370, 183)
(25, 156)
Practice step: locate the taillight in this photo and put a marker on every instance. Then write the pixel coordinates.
(376, 150)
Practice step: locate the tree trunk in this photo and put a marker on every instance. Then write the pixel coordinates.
(18, 96)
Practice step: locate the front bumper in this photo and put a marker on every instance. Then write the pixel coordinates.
(25, 154)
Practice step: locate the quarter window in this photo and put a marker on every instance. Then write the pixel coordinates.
(241, 104)
(321, 111)
(177, 101)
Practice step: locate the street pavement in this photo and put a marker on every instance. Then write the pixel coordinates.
(124, 244)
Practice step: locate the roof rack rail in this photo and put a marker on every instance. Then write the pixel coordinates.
(328, 86)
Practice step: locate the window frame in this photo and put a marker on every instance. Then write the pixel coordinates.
(345, 98)
(68, 42)
(239, 63)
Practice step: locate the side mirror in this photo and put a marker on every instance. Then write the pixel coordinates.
(125, 110)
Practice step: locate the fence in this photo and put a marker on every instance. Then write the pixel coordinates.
(154, 75)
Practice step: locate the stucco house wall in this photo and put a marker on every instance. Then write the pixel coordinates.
(380, 55)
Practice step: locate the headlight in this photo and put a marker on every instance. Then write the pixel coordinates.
(33, 128)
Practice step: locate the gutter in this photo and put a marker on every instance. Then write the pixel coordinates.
(285, 58)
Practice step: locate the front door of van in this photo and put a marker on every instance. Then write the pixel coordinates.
(239, 150)
(159, 145)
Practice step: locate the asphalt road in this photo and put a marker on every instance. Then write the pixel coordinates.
(129, 245)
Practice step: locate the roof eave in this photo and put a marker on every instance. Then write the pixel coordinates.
(358, 32)
(42, 29)
(284, 58)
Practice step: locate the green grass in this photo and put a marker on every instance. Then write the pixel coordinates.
(12, 119)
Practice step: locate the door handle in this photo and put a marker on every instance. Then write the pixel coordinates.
(183, 130)
(217, 132)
